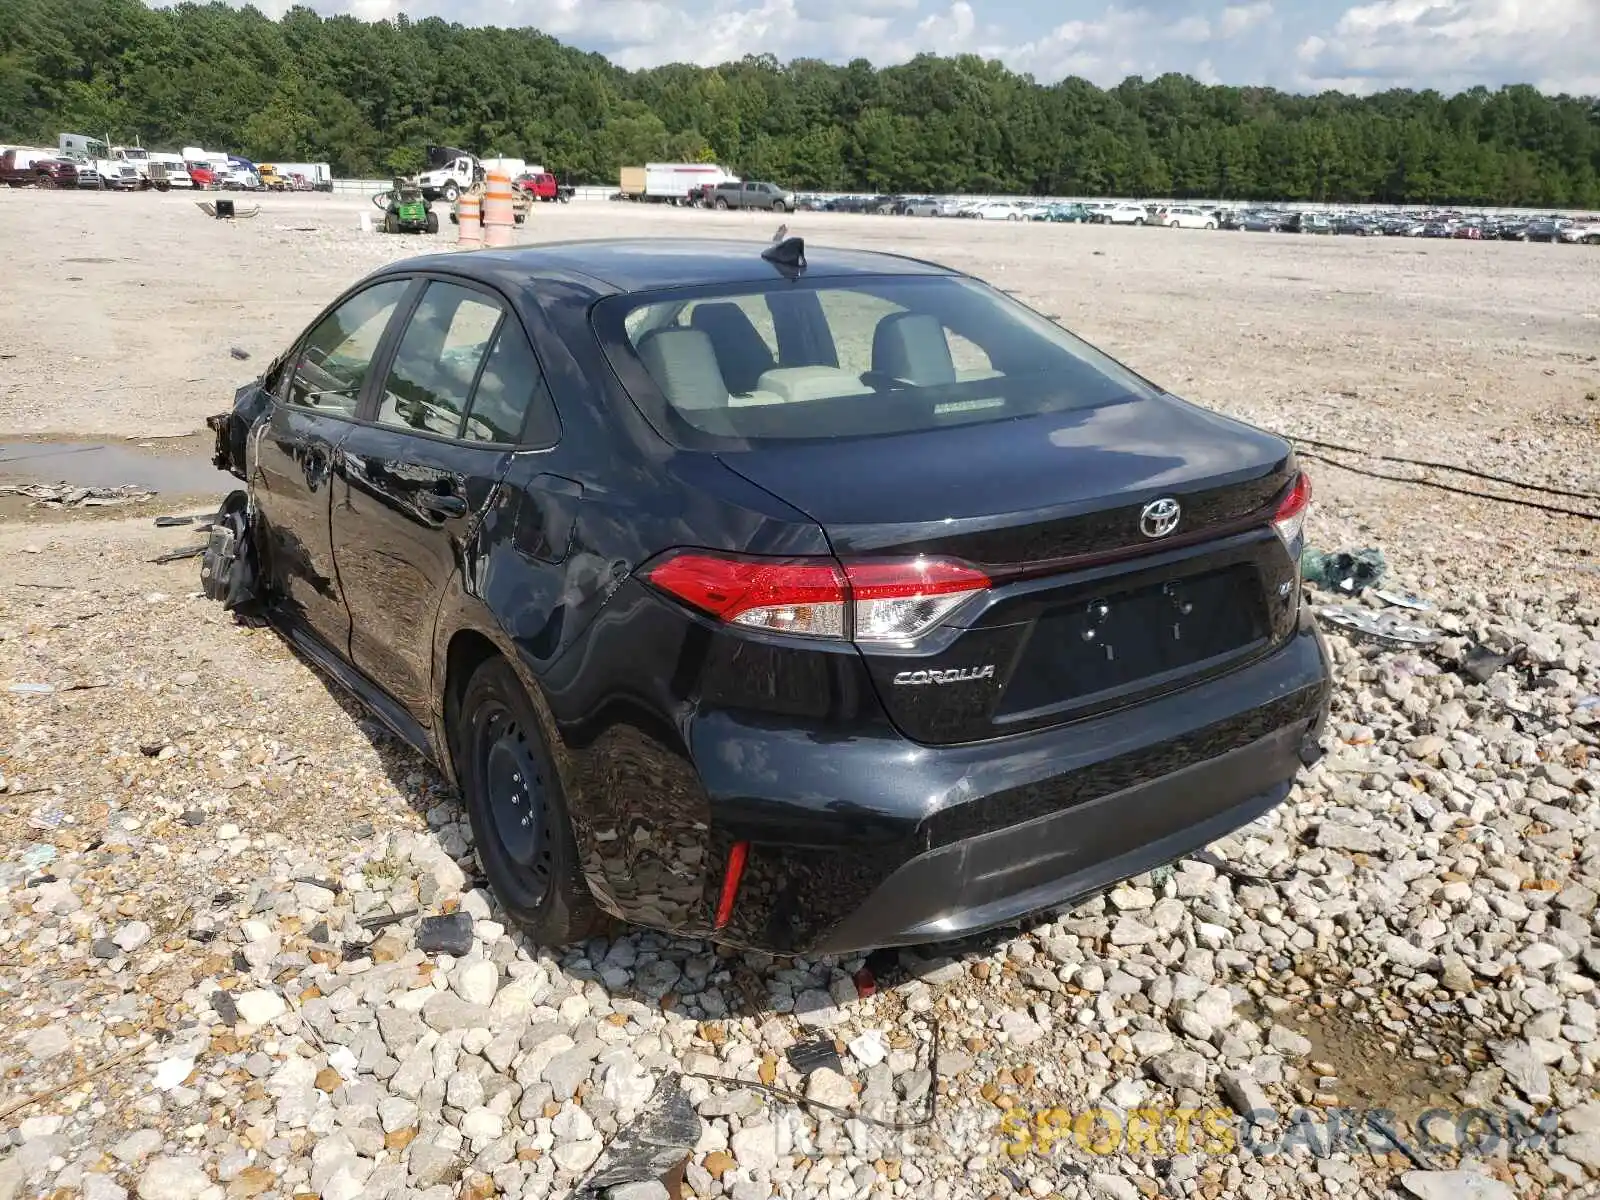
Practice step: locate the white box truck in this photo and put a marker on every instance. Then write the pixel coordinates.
(682, 183)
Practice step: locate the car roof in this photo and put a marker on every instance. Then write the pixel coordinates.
(650, 264)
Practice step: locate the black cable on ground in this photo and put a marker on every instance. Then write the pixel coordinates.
(1460, 491)
(1439, 466)
(843, 1113)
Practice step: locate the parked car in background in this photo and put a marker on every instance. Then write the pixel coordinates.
(1307, 222)
(21, 167)
(1065, 214)
(202, 175)
(1355, 225)
(1545, 229)
(707, 638)
(542, 186)
(1260, 220)
(1584, 233)
(1186, 216)
(997, 210)
(752, 194)
(1122, 213)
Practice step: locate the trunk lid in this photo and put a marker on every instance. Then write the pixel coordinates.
(1087, 611)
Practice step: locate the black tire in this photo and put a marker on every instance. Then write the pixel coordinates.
(433, 221)
(1138, 220)
(391, 223)
(722, 204)
(451, 192)
(779, 206)
(510, 785)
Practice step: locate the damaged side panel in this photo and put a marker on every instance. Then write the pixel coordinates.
(232, 428)
(228, 566)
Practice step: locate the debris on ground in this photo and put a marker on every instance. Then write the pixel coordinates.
(1349, 572)
(62, 495)
(1379, 626)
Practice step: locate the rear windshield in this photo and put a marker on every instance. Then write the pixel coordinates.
(846, 357)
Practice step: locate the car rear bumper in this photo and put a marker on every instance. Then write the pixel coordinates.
(874, 842)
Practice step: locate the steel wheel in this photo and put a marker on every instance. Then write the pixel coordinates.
(518, 801)
(518, 809)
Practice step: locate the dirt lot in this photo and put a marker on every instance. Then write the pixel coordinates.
(147, 723)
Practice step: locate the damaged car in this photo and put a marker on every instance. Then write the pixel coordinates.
(808, 600)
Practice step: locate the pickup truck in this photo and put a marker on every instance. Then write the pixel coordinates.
(543, 186)
(22, 168)
(750, 194)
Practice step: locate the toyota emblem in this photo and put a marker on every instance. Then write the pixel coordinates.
(1159, 517)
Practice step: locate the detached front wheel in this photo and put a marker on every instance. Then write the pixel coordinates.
(518, 810)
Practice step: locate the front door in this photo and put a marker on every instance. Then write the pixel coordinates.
(461, 392)
(315, 402)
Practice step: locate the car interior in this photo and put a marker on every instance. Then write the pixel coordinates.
(720, 360)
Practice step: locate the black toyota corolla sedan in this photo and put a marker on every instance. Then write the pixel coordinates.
(808, 600)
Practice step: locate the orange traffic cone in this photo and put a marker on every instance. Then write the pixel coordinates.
(469, 226)
(499, 218)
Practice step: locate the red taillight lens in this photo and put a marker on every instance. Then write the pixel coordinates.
(800, 596)
(873, 601)
(1290, 519)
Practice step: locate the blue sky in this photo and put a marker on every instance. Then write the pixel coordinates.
(1299, 45)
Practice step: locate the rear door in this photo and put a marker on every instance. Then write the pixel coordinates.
(461, 391)
(315, 402)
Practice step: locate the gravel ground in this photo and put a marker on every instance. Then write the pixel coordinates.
(202, 993)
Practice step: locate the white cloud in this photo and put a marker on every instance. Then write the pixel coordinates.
(1237, 18)
(1456, 43)
(1361, 46)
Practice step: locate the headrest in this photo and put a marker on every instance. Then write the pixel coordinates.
(912, 347)
(684, 366)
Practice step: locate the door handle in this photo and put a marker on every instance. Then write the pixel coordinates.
(443, 506)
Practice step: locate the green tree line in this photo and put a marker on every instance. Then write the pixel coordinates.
(367, 97)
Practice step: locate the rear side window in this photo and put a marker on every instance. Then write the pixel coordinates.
(436, 364)
(464, 369)
(846, 357)
(512, 403)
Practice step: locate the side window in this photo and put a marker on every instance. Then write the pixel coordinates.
(437, 362)
(334, 361)
(511, 384)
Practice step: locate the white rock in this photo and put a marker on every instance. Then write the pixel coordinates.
(573, 1124)
(260, 1007)
(755, 1147)
(1454, 1185)
(1020, 1029)
(131, 936)
(476, 982)
(482, 1125)
(1539, 956)
(1115, 1187)
(577, 1156)
(173, 1178)
(868, 1048)
(827, 1086)
(172, 1072)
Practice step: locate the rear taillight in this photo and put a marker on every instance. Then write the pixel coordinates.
(880, 600)
(1290, 519)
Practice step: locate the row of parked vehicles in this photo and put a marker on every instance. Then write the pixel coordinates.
(79, 161)
(1432, 224)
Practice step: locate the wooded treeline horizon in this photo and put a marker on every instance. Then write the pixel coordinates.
(366, 97)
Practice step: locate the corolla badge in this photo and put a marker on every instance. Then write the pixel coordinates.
(954, 675)
(1159, 517)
